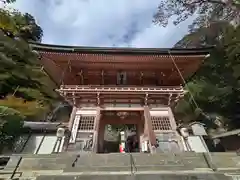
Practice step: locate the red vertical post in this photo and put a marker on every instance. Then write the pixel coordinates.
(149, 129)
(72, 117)
(96, 129)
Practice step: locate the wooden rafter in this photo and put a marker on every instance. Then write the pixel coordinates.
(54, 70)
(169, 99)
(70, 66)
(102, 75)
(127, 59)
(81, 76)
(146, 99)
(141, 77)
(98, 99)
(130, 66)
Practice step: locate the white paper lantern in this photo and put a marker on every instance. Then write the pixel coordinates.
(184, 132)
(60, 132)
(122, 133)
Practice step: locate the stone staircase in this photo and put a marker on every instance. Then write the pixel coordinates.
(90, 166)
(139, 161)
(150, 176)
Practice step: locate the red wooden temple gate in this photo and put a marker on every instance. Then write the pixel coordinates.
(99, 81)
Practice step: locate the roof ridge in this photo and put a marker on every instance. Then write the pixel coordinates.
(118, 50)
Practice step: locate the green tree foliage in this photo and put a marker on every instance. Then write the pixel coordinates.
(26, 92)
(26, 108)
(11, 125)
(16, 24)
(21, 73)
(20, 70)
(8, 1)
(207, 11)
(216, 85)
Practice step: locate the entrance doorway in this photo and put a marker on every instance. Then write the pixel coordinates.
(113, 138)
(111, 126)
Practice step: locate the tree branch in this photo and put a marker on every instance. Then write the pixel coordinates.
(230, 3)
(206, 1)
(232, 43)
(216, 2)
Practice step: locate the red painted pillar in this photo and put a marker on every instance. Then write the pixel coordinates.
(96, 129)
(148, 127)
(72, 117)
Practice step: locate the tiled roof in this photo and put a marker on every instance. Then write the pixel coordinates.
(114, 50)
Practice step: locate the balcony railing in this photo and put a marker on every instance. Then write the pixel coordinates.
(90, 88)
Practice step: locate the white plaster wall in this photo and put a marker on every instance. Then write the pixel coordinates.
(183, 144)
(47, 145)
(86, 112)
(196, 144)
(159, 113)
(75, 129)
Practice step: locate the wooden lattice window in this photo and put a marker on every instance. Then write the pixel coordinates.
(86, 123)
(161, 123)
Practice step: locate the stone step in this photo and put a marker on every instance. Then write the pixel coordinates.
(127, 168)
(88, 162)
(149, 176)
(111, 162)
(94, 162)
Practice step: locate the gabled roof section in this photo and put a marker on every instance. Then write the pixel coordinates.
(65, 63)
(118, 50)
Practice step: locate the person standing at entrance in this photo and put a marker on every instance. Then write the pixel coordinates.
(129, 144)
(135, 144)
(132, 144)
(122, 142)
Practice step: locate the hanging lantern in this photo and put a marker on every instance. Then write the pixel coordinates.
(60, 132)
(122, 114)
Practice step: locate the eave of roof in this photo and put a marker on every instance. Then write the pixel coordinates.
(114, 50)
(195, 122)
(43, 125)
(228, 133)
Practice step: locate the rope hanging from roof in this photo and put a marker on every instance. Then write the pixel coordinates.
(186, 85)
(184, 82)
(64, 71)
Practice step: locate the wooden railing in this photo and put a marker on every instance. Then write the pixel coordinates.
(76, 88)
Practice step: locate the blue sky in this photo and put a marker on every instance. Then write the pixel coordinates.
(120, 23)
